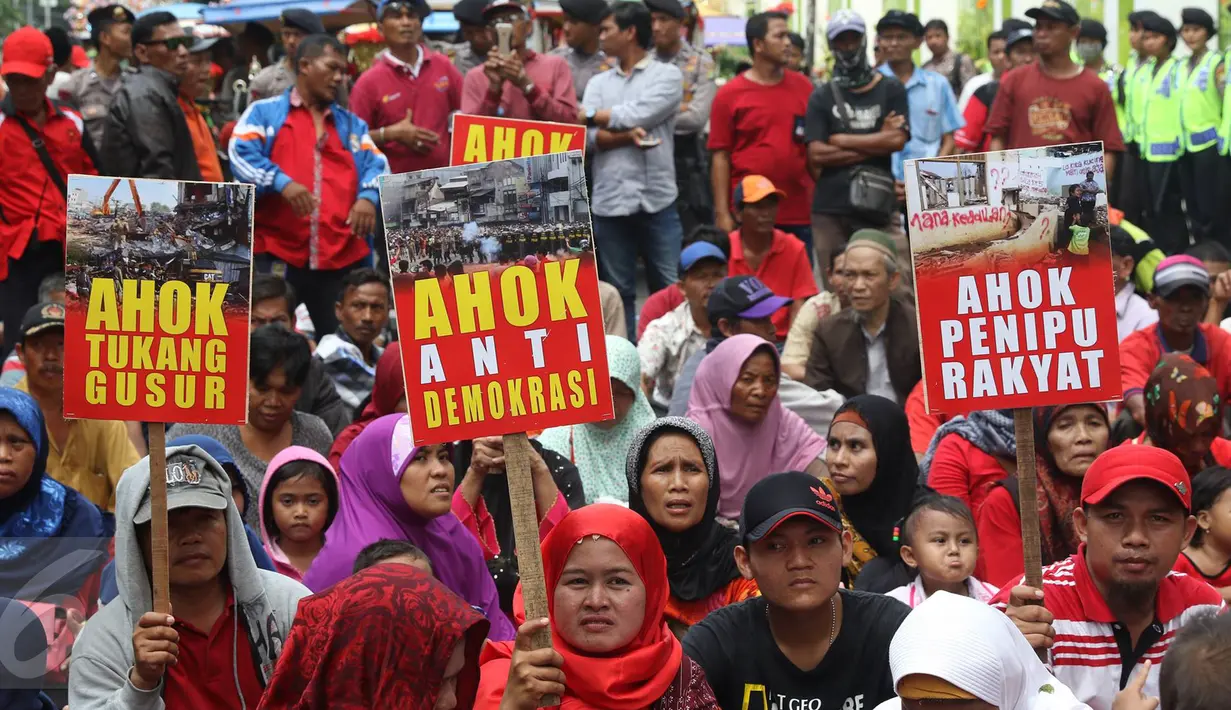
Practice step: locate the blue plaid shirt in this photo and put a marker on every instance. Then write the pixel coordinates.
(933, 113)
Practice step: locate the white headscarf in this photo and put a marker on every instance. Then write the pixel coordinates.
(978, 649)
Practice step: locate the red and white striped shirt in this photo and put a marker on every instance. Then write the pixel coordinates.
(1092, 654)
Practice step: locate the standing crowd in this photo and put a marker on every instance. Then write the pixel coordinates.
(772, 519)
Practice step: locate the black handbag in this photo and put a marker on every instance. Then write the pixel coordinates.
(872, 193)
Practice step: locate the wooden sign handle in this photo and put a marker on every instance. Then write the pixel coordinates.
(1028, 502)
(517, 455)
(159, 543)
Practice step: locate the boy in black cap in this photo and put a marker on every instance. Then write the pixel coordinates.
(580, 48)
(477, 38)
(93, 89)
(1202, 170)
(280, 76)
(804, 643)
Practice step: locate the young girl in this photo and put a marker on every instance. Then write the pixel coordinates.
(940, 544)
(299, 499)
(1208, 556)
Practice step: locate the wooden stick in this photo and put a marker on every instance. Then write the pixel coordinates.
(1028, 496)
(159, 552)
(517, 455)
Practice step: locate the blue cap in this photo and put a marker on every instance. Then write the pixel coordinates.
(845, 21)
(697, 251)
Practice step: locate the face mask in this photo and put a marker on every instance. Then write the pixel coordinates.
(851, 68)
(1089, 51)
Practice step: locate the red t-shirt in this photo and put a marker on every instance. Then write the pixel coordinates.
(762, 127)
(323, 239)
(204, 677)
(1186, 565)
(1033, 110)
(785, 269)
(659, 304)
(963, 470)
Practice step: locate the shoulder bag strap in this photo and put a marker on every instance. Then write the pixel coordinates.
(839, 102)
(44, 157)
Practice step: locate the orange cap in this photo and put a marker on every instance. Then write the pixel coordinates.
(754, 188)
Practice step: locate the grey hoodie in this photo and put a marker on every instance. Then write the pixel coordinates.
(103, 654)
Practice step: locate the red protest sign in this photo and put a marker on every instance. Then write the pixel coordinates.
(1012, 264)
(481, 139)
(157, 277)
(496, 291)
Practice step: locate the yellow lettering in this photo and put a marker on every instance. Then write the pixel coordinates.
(474, 301)
(476, 145)
(215, 356)
(166, 354)
(534, 387)
(142, 359)
(451, 407)
(190, 355)
(156, 397)
(495, 400)
(556, 390)
(95, 387)
(102, 313)
(215, 392)
(125, 388)
(472, 403)
(209, 320)
(431, 409)
(578, 396)
(185, 391)
(138, 306)
(563, 299)
(502, 143)
(431, 317)
(96, 341)
(174, 307)
(517, 281)
(532, 142)
(560, 142)
(593, 386)
(517, 407)
(117, 352)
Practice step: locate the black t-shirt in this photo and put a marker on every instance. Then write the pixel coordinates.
(867, 111)
(748, 671)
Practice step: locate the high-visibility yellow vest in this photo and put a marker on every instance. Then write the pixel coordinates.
(1110, 76)
(1201, 102)
(1155, 111)
(1122, 92)
(1224, 129)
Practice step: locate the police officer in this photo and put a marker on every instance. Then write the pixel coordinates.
(92, 89)
(1129, 197)
(475, 33)
(1091, 43)
(278, 77)
(1154, 110)
(695, 203)
(581, 51)
(1202, 169)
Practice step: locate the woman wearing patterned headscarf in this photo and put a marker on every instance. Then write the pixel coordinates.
(1184, 414)
(673, 483)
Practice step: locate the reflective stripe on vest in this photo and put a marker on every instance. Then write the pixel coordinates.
(1201, 104)
(1158, 99)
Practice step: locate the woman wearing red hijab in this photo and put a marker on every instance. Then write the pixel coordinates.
(606, 591)
(388, 396)
(391, 636)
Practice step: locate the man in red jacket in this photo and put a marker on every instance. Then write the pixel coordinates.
(1181, 296)
(33, 175)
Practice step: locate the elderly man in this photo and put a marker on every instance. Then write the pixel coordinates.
(872, 347)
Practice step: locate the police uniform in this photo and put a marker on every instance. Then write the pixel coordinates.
(468, 13)
(695, 201)
(584, 66)
(279, 77)
(87, 90)
(1202, 168)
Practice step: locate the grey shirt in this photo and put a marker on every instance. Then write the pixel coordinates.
(92, 94)
(630, 179)
(464, 58)
(878, 365)
(306, 430)
(583, 66)
(699, 87)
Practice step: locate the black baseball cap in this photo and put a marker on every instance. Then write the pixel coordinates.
(1055, 10)
(899, 18)
(780, 496)
(1017, 36)
(470, 12)
(743, 297)
(42, 317)
(1092, 29)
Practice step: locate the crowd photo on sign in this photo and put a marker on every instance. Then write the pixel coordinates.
(615, 355)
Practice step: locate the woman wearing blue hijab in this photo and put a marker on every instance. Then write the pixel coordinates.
(53, 541)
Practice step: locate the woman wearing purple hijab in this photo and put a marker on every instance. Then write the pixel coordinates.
(390, 489)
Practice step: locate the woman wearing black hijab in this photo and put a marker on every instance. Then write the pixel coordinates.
(673, 483)
(873, 469)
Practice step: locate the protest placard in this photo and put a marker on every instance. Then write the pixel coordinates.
(481, 139)
(1016, 306)
(496, 291)
(157, 275)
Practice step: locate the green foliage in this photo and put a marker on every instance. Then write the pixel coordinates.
(12, 16)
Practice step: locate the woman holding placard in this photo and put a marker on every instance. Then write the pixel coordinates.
(607, 588)
(673, 484)
(1067, 440)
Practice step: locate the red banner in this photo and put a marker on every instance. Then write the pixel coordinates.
(1012, 265)
(157, 280)
(480, 139)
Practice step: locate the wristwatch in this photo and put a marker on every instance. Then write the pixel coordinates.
(590, 113)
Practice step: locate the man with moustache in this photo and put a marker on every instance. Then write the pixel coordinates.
(1115, 606)
(88, 455)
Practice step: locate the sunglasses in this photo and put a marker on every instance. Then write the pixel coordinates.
(173, 43)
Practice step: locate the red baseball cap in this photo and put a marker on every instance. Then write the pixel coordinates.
(27, 52)
(79, 58)
(1121, 464)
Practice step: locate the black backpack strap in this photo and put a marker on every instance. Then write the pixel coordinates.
(44, 157)
(839, 102)
(1010, 485)
(955, 76)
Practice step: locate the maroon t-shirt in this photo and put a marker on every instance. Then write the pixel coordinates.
(1033, 110)
(762, 127)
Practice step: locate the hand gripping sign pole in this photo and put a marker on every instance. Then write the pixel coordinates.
(159, 547)
(1028, 501)
(517, 455)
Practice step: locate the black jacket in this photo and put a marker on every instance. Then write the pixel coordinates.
(319, 396)
(146, 133)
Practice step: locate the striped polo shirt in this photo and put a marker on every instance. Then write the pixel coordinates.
(1093, 654)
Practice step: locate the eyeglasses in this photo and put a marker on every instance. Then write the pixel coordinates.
(173, 43)
(507, 18)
